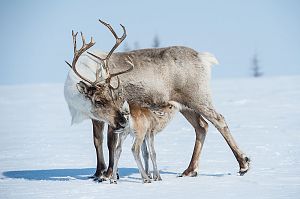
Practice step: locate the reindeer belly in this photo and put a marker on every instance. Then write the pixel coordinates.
(160, 121)
(147, 93)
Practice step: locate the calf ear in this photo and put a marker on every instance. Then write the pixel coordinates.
(125, 108)
(82, 87)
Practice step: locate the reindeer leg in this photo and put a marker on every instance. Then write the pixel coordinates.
(136, 148)
(111, 143)
(219, 122)
(145, 154)
(98, 142)
(201, 127)
(150, 142)
(121, 139)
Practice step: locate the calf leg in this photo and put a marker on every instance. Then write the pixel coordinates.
(150, 141)
(121, 139)
(145, 154)
(201, 127)
(98, 143)
(136, 148)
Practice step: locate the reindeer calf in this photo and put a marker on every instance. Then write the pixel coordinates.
(143, 124)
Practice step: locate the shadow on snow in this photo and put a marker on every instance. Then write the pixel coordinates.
(65, 174)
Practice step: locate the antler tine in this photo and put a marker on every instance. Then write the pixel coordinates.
(83, 40)
(95, 56)
(130, 62)
(78, 53)
(74, 40)
(74, 35)
(98, 70)
(109, 27)
(119, 40)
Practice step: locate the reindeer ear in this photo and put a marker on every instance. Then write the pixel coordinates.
(82, 87)
(103, 74)
(114, 83)
(125, 108)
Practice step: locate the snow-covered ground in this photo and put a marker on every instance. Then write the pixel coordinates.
(42, 156)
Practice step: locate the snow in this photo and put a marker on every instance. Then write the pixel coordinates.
(42, 156)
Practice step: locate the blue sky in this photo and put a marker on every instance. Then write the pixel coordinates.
(36, 35)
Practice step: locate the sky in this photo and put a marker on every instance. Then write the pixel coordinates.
(36, 35)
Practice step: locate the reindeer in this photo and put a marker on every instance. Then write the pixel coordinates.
(149, 78)
(143, 124)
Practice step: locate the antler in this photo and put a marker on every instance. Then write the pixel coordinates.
(104, 61)
(130, 62)
(78, 53)
(119, 40)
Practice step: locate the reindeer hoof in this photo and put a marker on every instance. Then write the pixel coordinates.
(103, 178)
(245, 167)
(157, 178)
(242, 172)
(113, 181)
(97, 179)
(146, 180)
(188, 173)
(97, 174)
(149, 176)
(100, 178)
(93, 177)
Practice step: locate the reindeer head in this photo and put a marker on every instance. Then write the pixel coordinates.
(106, 100)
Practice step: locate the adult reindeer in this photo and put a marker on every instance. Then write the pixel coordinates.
(160, 75)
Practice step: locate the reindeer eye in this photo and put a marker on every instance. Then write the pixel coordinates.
(99, 103)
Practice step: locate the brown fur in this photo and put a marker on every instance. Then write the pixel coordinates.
(161, 75)
(143, 124)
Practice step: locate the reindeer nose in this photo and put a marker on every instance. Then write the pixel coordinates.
(121, 120)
